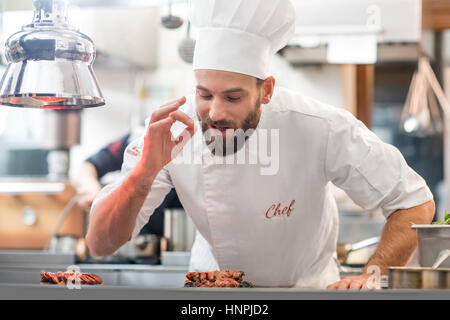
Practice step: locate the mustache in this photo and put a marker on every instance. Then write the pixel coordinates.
(220, 123)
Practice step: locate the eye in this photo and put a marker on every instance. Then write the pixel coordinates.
(233, 99)
(205, 96)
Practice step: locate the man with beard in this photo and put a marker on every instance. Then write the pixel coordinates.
(279, 226)
(226, 136)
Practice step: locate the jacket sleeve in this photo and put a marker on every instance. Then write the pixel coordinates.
(373, 173)
(160, 188)
(110, 158)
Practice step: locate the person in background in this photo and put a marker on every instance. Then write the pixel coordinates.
(86, 180)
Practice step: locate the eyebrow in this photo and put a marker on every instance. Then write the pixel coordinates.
(232, 90)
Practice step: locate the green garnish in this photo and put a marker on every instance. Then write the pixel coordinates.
(189, 284)
(446, 219)
(246, 284)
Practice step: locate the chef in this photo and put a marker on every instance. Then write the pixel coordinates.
(272, 216)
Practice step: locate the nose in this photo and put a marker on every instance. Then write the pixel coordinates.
(216, 111)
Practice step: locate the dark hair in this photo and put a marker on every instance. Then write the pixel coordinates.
(259, 82)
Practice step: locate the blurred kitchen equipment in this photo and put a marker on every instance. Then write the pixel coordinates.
(50, 63)
(1, 34)
(322, 23)
(418, 278)
(175, 258)
(179, 230)
(71, 244)
(29, 216)
(187, 46)
(33, 258)
(433, 239)
(421, 278)
(142, 249)
(61, 219)
(443, 255)
(62, 131)
(343, 250)
(31, 207)
(170, 21)
(421, 115)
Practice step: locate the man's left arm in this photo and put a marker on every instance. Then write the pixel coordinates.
(375, 175)
(398, 242)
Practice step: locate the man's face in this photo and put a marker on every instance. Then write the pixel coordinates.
(226, 102)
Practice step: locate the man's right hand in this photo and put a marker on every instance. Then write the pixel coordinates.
(113, 219)
(159, 144)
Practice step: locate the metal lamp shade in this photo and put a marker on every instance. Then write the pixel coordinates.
(50, 64)
(50, 85)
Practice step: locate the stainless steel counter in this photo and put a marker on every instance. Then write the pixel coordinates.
(165, 282)
(153, 276)
(54, 292)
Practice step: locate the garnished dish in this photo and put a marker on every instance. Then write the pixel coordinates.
(445, 221)
(62, 278)
(217, 279)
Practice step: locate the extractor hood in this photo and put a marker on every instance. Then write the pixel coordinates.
(385, 30)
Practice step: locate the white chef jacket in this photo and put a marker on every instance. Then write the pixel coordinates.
(281, 229)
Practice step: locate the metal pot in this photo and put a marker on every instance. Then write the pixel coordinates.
(433, 239)
(142, 249)
(422, 277)
(419, 278)
(69, 244)
(179, 230)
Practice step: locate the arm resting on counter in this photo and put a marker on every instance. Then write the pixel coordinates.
(398, 242)
(398, 239)
(113, 219)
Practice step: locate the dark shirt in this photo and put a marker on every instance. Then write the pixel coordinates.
(110, 159)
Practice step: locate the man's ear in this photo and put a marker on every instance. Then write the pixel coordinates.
(267, 90)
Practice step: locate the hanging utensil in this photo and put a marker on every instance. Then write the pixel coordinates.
(170, 21)
(187, 46)
(421, 115)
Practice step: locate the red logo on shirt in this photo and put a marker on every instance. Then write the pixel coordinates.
(134, 151)
(276, 210)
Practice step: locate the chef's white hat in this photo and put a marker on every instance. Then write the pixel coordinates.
(241, 35)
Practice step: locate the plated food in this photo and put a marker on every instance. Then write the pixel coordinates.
(217, 279)
(62, 278)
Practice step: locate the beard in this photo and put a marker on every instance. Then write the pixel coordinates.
(235, 138)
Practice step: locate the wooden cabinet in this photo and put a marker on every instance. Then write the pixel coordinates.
(15, 234)
(358, 82)
(436, 14)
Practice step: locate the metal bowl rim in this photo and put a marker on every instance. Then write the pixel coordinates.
(430, 226)
(417, 269)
